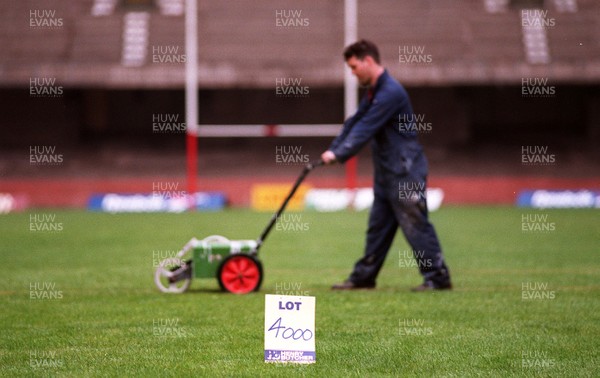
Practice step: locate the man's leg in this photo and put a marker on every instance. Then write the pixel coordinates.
(412, 216)
(380, 235)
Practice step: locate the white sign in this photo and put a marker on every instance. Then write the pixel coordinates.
(358, 199)
(290, 329)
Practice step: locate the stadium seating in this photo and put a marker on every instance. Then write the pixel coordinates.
(468, 41)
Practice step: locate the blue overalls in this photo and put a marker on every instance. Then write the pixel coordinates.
(399, 182)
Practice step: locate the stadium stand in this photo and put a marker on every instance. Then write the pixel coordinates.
(463, 62)
(470, 41)
(467, 44)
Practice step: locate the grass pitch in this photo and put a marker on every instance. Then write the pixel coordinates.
(78, 298)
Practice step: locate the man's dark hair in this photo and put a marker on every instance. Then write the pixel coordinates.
(361, 49)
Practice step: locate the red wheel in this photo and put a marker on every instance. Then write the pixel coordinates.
(240, 274)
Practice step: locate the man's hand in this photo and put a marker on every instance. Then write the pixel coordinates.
(328, 157)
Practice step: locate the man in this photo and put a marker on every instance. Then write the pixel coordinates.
(384, 117)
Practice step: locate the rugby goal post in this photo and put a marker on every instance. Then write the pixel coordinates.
(194, 131)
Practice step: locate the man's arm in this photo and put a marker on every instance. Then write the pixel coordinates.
(378, 115)
(346, 129)
(328, 156)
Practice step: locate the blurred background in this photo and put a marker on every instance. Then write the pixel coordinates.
(506, 94)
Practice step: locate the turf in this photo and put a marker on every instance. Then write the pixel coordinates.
(79, 300)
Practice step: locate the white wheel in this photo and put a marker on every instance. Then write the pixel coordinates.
(173, 275)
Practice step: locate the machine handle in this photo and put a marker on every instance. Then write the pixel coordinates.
(314, 164)
(309, 167)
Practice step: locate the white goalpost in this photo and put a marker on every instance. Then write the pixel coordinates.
(191, 93)
(194, 131)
